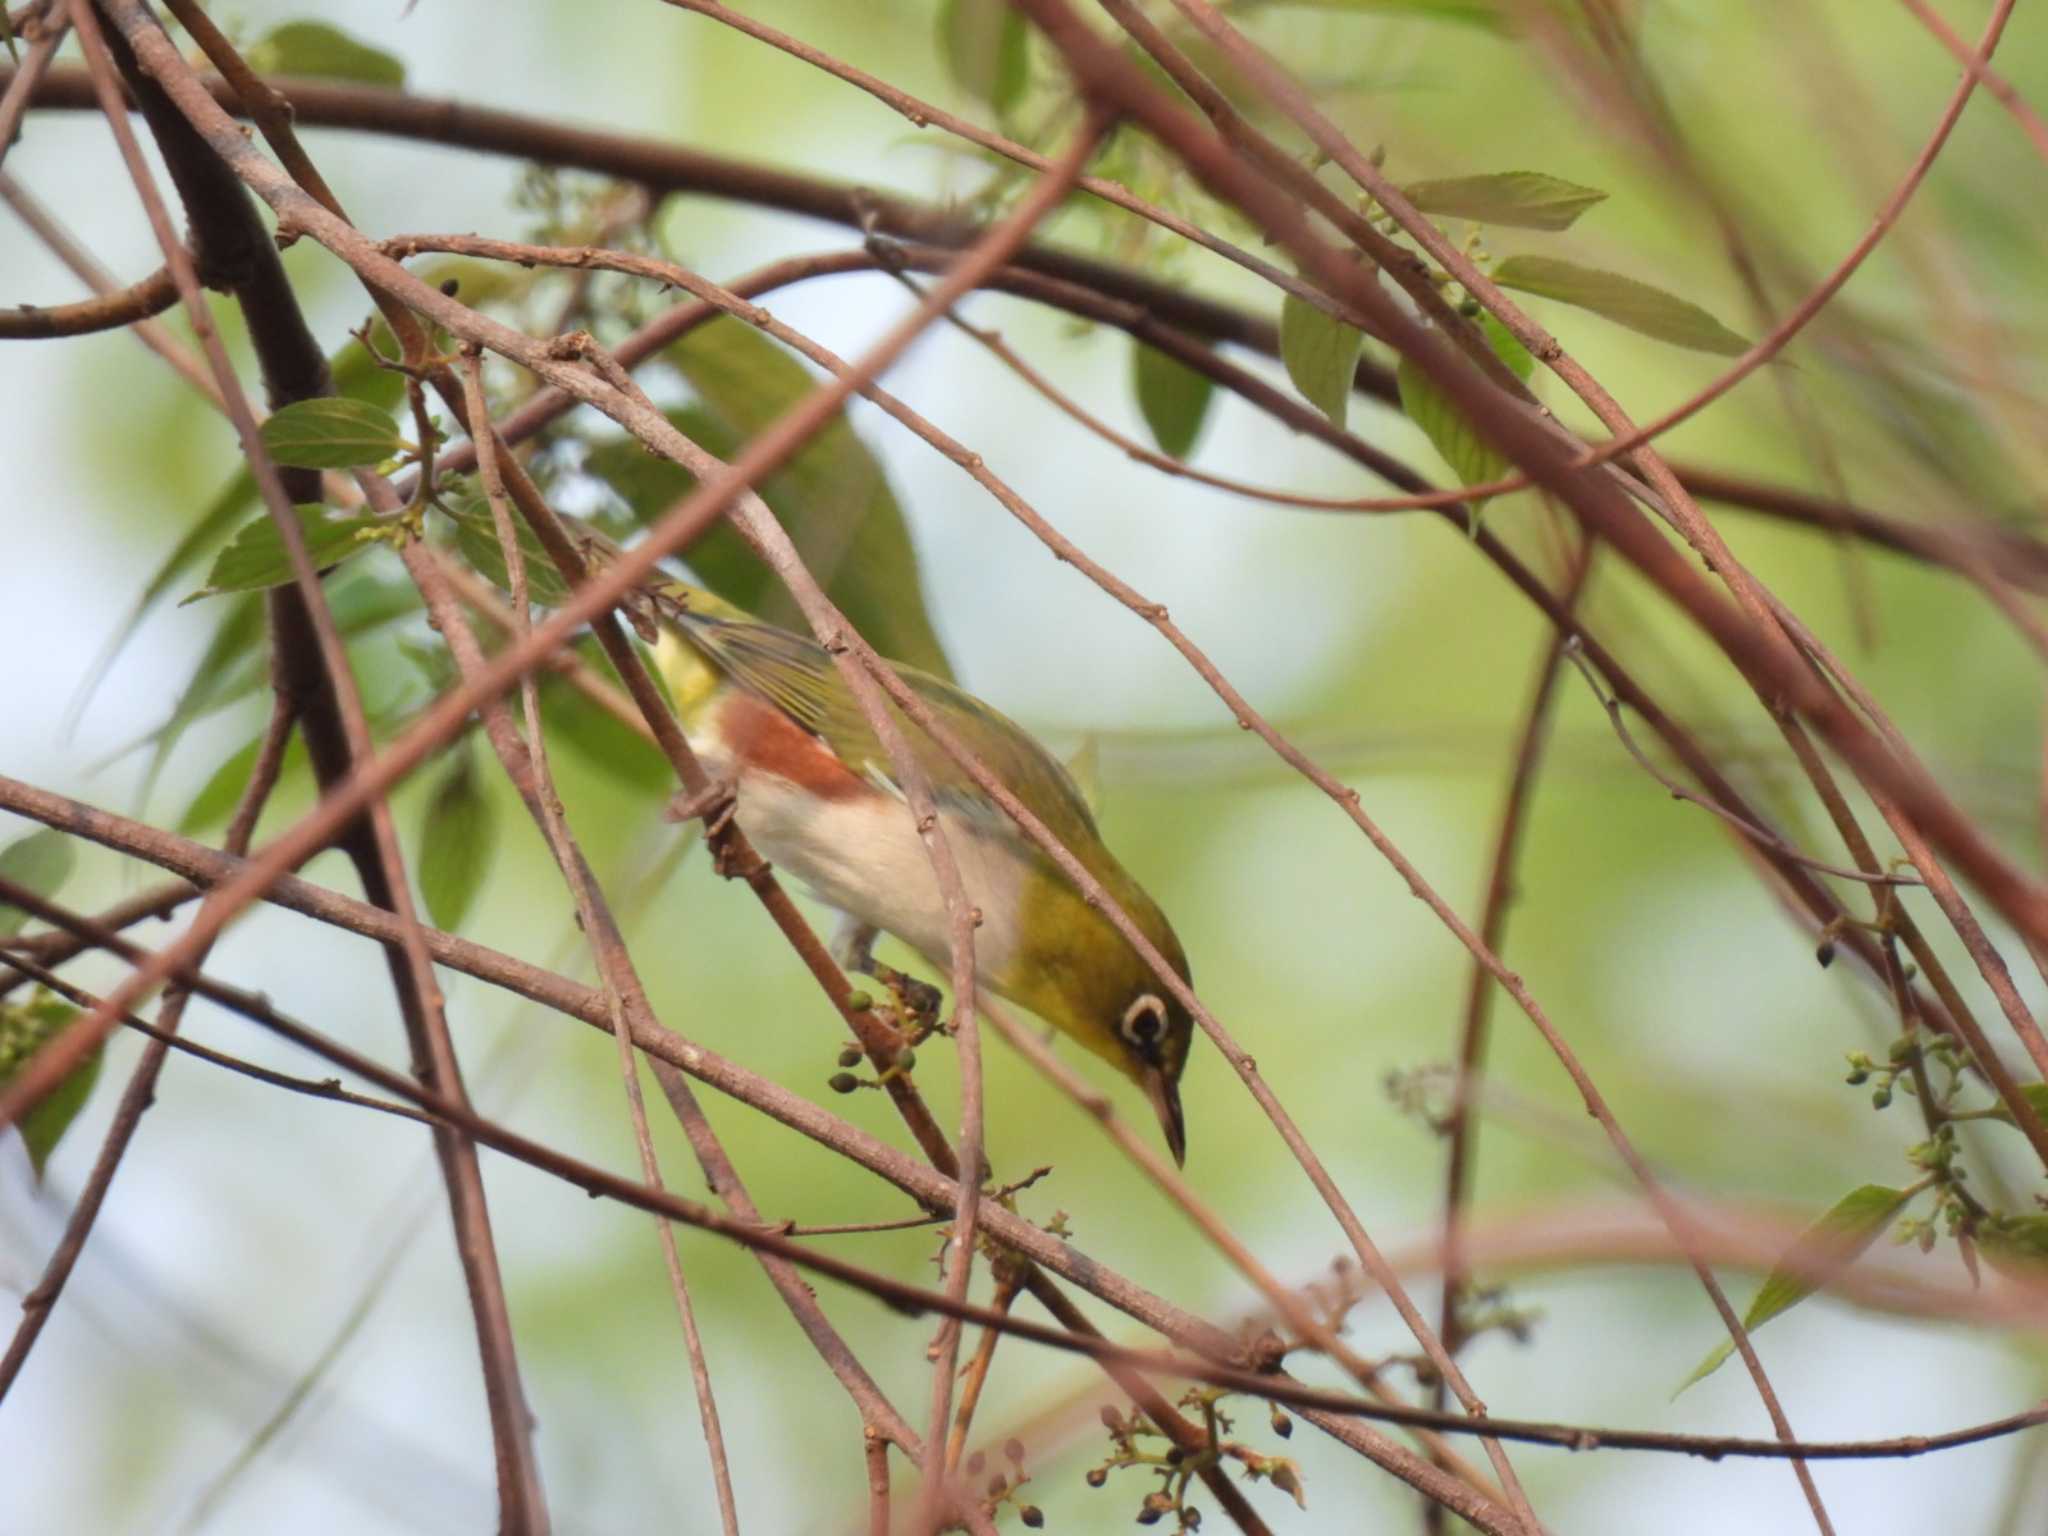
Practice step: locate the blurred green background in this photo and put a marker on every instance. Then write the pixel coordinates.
(248, 1225)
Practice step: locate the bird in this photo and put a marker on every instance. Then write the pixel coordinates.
(800, 770)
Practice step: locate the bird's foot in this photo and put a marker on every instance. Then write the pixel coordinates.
(853, 946)
(715, 805)
(917, 1003)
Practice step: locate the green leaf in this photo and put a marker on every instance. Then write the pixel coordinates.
(255, 558)
(1819, 1253)
(1172, 396)
(476, 535)
(316, 49)
(987, 47)
(988, 50)
(2015, 1246)
(1524, 199)
(2035, 1094)
(333, 432)
(1623, 300)
(42, 861)
(832, 497)
(457, 838)
(24, 1029)
(1321, 354)
(223, 788)
(1471, 458)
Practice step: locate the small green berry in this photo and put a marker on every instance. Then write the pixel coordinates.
(850, 1057)
(1881, 1096)
(905, 1059)
(842, 1082)
(859, 1002)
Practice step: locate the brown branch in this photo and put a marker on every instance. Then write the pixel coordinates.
(1598, 503)
(597, 1181)
(45, 37)
(30, 322)
(1461, 1132)
(664, 167)
(53, 946)
(1974, 60)
(328, 1088)
(311, 666)
(151, 333)
(1896, 781)
(976, 1373)
(1759, 835)
(528, 768)
(140, 1093)
(875, 1451)
(1106, 75)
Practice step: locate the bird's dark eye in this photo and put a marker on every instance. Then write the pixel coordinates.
(1144, 1021)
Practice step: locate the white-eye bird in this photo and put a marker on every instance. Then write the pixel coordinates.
(769, 714)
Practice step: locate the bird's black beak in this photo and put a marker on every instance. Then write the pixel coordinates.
(1165, 1097)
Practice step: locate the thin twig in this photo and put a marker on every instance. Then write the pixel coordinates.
(544, 801)
(597, 1181)
(140, 1093)
(1461, 1132)
(328, 696)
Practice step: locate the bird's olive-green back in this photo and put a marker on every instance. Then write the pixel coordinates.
(798, 677)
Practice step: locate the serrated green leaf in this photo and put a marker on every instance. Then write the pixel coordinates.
(332, 432)
(1173, 398)
(41, 861)
(476, 536)
(1471, 458)
(832, 498)
(1321, 354)
(987, 47)
(324, 52)
(1819, 1253)
(24, 1029)
(1523, 199)
(256, 558)
(457, 838)
(1640, 307)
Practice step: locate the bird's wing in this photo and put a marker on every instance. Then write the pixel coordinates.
(799, 678)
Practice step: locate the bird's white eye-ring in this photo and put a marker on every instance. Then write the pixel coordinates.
(1144, 1021)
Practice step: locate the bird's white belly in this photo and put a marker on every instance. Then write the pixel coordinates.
(863, 856)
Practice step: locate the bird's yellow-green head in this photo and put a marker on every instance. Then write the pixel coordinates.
(1076, 971)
